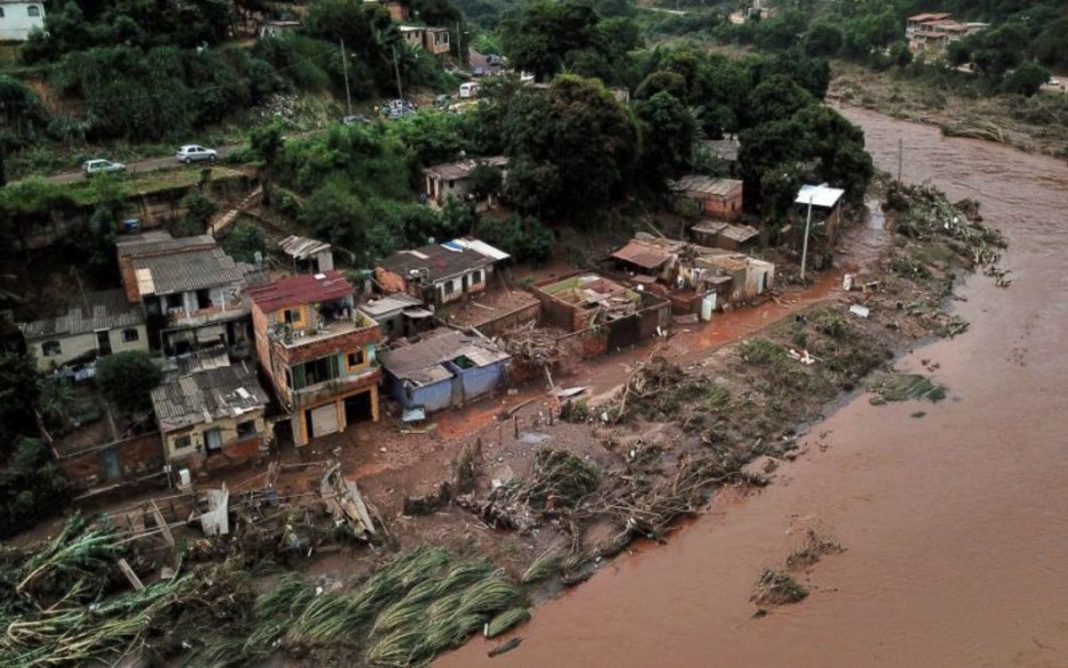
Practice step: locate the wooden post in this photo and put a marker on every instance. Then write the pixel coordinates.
(124, 566)
(167, 535)
(515, 423)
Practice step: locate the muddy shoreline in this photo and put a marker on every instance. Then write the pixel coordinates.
(937, 569)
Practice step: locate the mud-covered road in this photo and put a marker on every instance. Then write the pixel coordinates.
(955, 524)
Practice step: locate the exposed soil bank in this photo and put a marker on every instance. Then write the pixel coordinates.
(952, 524)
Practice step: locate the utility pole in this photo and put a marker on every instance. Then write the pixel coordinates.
(804, 244)
(396, 72)
(459, 45)
(345, 68)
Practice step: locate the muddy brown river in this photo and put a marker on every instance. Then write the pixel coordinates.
(955, 524)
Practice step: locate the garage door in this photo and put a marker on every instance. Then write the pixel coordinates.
(324, 420)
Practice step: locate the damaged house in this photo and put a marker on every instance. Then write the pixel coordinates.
(318, 350)
(697, 279)
(444, 368)
(191, 290)
(824, 205)
(92, 324)
(440, 273)
(398, 315)
(606, 314)
(306, 255)
(211, 412)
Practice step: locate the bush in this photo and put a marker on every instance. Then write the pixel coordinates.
(525, 239)
(31, 488)
(127, 378)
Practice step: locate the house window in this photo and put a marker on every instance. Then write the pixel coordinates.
(175, 301)
(1, 12)
(129, 335)
(356, 358)
(452, 183)
(246, 429)
(203, 299)
(292, 316)
(450, 287)
(476, 277)
(182, 442)
(51, 348)
(33, 10)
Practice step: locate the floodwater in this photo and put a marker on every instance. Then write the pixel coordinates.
(955, 525)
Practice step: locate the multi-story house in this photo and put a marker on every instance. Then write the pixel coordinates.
(191, 290)
(319, 352)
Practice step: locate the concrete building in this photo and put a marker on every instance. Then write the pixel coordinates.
(413, 36)
(319, 352)
(398, 315)
(436, 41)
(274, 28)
(444, 368)
(440, 273)
(454, 178)
(18, 18)
(933, 33)
(94, 324)
(716, 198)
(191, 290)
(214, 412)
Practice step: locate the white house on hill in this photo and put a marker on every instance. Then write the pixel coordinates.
(18, 18)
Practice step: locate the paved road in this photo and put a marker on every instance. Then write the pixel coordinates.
(146, 165)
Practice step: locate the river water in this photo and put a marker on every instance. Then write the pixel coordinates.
(955, 525)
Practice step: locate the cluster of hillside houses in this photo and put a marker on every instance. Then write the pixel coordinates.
(302, 351)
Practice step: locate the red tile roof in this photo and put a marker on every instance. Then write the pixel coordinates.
(300, 289)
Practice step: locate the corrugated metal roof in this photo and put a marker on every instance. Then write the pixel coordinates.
(724, 149)
(705, 185)
(642, 255)
(301, 289)
(383, 306)
(302, 247)
(439, 261)
(188, 270)
(421, 362)
(106, 309)
(822, 195)
(451, 171)
(739, 233)
(158, 241)
(207, 396)
(481, 247)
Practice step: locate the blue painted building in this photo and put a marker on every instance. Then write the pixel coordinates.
(445, 368)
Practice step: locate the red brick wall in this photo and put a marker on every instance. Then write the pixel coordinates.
(726, 208)
(138, 456)
(346, 342)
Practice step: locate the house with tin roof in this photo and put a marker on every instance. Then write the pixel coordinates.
(440, 274)
(91, 324)
(216, 411)
(443, 368)
(454, 179)
(319, 352)
(714, 197)
(191, 290)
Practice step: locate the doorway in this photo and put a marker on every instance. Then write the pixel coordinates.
(103, 342)
(213, 441)
(358, 408)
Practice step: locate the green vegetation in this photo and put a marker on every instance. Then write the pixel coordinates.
(903, 386)
(127, 378)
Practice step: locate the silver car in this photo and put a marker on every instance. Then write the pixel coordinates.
(194, 153)
(101, 166)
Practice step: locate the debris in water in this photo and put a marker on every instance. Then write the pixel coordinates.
(778, 588)
(506, 647)
(902, 386)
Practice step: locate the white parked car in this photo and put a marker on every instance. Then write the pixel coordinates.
(101, 166)
(469, 89)
(194, 153)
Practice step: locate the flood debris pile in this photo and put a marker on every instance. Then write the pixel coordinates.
(777, 588)
(68, 602)
(924, 214)
(814, 548)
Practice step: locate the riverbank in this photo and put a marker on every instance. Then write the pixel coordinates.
(1035, 125)
(949, 522)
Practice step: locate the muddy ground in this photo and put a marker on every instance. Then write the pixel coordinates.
(1038, 124)
(549, 490)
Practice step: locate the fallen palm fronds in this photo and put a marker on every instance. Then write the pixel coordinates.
(545, 566)
(505, 621)
(903, 386)
(559, 478)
